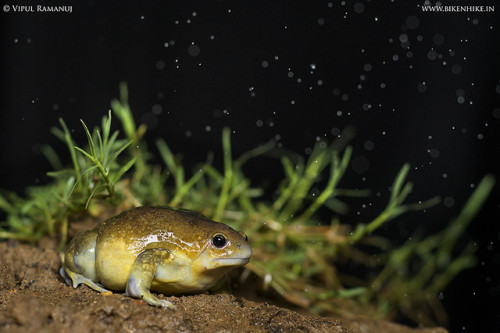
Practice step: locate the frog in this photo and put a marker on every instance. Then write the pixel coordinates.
(154, 249)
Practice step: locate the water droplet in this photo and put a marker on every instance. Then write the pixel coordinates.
(156, 109)
(194, 50)
(448, 202)
(369, 145)
(432, 55)
(160, 64)
(360, 164)
(412, 22)
(359, 7)
(438, 39)
(434, 153)
(456, 69)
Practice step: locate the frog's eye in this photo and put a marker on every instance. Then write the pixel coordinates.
(219, 241)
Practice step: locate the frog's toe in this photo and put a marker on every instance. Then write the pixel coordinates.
(75, 279)
(166, 304)
(65, 276)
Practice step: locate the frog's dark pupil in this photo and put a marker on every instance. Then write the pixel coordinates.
(219, 241)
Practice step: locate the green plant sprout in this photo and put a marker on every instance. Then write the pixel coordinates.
(296, 255)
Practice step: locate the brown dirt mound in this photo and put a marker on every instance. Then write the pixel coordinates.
(34, 298)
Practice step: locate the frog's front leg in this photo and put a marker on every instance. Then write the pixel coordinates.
(142, 274)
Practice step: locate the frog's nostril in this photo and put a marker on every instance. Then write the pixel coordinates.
(238, 246)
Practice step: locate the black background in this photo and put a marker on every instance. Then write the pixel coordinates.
(418, 87)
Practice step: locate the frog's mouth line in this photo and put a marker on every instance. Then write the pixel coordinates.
(233, 261)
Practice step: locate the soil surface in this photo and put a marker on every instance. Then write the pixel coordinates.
(34, 298)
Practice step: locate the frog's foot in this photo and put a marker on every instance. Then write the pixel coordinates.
(142, 274)
(75, 279)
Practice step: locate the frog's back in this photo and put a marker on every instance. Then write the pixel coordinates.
(122, 238)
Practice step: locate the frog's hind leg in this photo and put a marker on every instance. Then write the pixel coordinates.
(75, 279)
(79, 262)
(143, 273)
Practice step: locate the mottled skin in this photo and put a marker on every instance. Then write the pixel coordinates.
(154, 248)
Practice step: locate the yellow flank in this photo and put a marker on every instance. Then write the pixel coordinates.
(154, 248)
